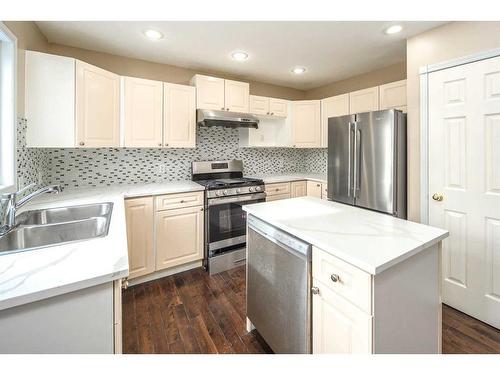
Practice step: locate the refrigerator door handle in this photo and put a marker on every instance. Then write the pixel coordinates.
(349, 163)
(357, 186)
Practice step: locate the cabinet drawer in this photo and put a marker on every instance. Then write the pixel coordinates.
(173, 201)
(353, 284)
(277, 197)
(278, 189)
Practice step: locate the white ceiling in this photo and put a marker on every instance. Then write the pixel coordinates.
(330, 51)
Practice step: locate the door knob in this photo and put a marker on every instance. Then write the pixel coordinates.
(437, 197)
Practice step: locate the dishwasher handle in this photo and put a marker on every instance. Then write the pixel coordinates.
(279, 237)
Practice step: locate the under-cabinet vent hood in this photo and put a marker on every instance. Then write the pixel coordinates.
(208, 117)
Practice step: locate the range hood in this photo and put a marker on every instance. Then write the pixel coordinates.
(208, 117)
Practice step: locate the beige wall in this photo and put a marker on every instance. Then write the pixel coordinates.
(443, 43)
(378, 77)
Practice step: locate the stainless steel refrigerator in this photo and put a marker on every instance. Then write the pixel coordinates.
(367, 161)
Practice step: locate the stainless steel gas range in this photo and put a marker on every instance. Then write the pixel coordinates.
(226, 192)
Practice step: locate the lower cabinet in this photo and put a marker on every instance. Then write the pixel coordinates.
(314, 189)
(139, 216)
(164, 231)
(277, 191)
(298, 189)
(179, 236)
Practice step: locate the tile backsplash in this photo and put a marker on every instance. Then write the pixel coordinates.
(75, 167)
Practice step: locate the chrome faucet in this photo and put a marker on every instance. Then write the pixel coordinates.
(8, 219)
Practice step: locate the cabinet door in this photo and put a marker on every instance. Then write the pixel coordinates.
(179, 115)
(97, 106)
(366, 100)
(393, 95)
(139, 216)
(306, 123)
(313, 189)
(338, 326)
(259, 105)
(332, 107)
(209, 92)
(298, 188)
(179, 236)
(143, 112)
(278, 107)
(237, 96)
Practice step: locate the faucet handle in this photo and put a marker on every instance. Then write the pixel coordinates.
(27, 187)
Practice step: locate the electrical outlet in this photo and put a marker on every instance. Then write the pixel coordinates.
(161, 168)
(40, 178)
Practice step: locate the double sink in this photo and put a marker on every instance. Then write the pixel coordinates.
(56, 226)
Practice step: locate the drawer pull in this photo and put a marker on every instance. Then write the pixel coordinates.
(182, 201)
(277, 189)
(335, 278)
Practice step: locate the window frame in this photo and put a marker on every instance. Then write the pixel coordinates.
(8, 111)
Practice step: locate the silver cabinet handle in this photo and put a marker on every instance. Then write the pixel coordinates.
(315, 290)
(335, 278)
(272, 113)
(227, 109)
(82, 143)
(124, 284)
(222, 108)
(318, 185)
(166, 144)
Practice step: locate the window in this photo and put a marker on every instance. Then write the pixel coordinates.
(8, 52)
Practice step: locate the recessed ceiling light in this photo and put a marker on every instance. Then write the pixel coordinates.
(239, 56)
(153, 34)
(298, 70)
(394, 29)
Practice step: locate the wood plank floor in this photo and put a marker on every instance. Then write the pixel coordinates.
(193, 312)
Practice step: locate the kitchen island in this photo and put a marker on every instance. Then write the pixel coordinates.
(375, 278)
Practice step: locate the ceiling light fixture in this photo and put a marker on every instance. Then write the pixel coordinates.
(239, 56)
(153, 34)
(298, 70)
(394, 29)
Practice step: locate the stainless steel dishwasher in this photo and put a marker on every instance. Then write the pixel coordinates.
(278, 287)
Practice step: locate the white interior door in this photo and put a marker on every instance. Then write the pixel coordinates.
(464, 167)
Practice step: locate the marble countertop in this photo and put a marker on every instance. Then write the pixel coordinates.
(368, 240)
(269, 179)
(38, 274)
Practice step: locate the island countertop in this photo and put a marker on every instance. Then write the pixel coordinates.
(366, 239)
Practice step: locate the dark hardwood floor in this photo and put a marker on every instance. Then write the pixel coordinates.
(193, 312)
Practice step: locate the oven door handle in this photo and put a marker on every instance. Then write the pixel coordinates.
(235, 199)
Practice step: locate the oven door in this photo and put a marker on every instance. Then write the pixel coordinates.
(227, 221)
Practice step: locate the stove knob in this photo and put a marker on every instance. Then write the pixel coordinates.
(217, 193)
(224, 192)
(250, 189)
(257, 188)
(238, 191)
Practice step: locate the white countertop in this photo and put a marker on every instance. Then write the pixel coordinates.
(270, 179)
(38, 274)
(368, 240)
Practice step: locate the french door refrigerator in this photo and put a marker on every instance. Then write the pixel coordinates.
(367, 161)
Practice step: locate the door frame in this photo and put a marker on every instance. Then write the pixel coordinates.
(424, 72)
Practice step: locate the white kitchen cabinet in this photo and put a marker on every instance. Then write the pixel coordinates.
(142, 112)
(236, 96)
(262, 105)
(179, 236)
(70, 103)
(332, 107)
(365, 100)
(393, 95)
(306, 123)
(141, 254)
(97, 106)
(221, 94)
(179, 115)
(313, 189)
(209, 92)
(298, 189)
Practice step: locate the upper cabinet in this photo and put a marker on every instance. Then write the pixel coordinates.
(393, 95)
(70, 103)
(221, 94)
(179, 115)
(262, 105)
(366, 100)
(332, 107)
(142, 112)
(97, 106)
(306, 123)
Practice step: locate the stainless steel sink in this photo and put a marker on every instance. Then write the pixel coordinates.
(55, 226)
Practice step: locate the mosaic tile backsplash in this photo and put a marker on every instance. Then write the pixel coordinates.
(73, 167)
